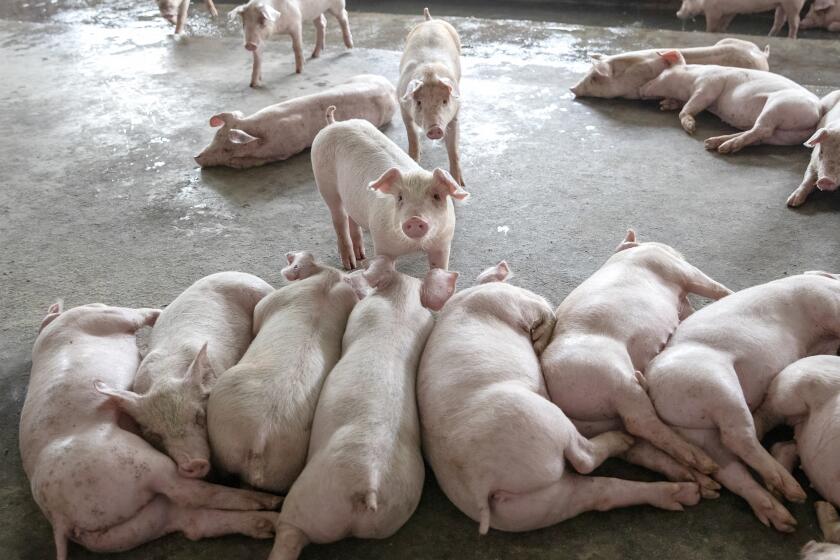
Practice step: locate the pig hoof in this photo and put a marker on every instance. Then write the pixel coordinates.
(796, 199)
(315, 54)
(688, 124)
(686, 494)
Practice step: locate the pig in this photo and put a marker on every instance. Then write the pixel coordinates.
(203, 332)
(720, 13)
(260, 411)
(823, 171)
(175, 12)
(429, 88)
(608, 330)
(623, 74)
(364, 474)
(719, 364)
(496, 443)
(369, 182)
(280, 131)
(263, 18)
(770, 108)
(823, 14)
(95, 479)
(823, 551)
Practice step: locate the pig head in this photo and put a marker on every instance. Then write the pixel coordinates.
(229, 141)
(432, 99)
(826, 144)
(259, 19)
(619, 76)
(690, 8)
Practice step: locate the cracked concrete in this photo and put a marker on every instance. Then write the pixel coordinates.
(101, 201)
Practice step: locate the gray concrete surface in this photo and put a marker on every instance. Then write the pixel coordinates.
(101, 201)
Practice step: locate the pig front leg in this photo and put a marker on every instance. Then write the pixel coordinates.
(320, 35)
(297, 47)
(646, 455)
(413, 135)
(778, 21)
(792, 13)
(194, 493)
(668, 104)
(829, 521)
(714, 22)
(212, 8)
(439, 257)
(808, 185)
(357, 239)
(181, 19)
(453, 131)
(341, 224)
(786, 453)
(344, 22)
(697, 103)
(256, 68)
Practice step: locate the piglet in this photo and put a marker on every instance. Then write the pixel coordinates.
(608, 330)
(280, 131)
(263, 18)
(99, 483)
(430, 74)
(823, 14)
(175, 11)
(823, 171)
(368, 182)
(622, 75)
(496, 443)
(720, 13)
(719, 364)
(260, 411)
(364, 474)
(770, 108)
(203, 332)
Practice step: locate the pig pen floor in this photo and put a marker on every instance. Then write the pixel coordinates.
(101, 201)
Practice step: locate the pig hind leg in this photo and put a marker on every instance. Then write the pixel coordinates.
(320, 23)
(778, 21)
(451, 140)
(792, 9)
(193, 493)
(212, 8)
(646, 455)
(340, 14)
(829, 521)
(357, 239)
(413, 135)
(326, 181)
(586, 455)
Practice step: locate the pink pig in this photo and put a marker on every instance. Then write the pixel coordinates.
(97, 481)
(823, 13)
(175, 11)
(498, 446)
(823, 171)
(608, 330)
(280, 131)
(720, 13)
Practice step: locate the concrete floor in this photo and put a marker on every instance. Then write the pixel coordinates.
(101, 201)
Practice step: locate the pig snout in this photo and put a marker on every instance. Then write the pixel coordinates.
(415, 227)
(435, 132)
(826, 184)
(193, 468)
(576, 89)
(249, 46)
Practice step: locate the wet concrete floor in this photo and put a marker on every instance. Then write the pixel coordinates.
(101, 201)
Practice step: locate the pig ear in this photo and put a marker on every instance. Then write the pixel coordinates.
(127, 401)
(596, 56)
(822, 273)
(220, 119)
(237, 11)
(818, 137)
(499, 273)
(437, 287)
(201, 374)
(672, 57)
(453, 189)
(359, 283)
(385, 183)
(629, 241)
(52, 314)
(412, 87)
(269, 13)
(380, 271)
(240, 136)
(602, 68)
(301, 265)
(453, 91)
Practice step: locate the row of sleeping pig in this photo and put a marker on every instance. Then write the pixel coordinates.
(730, 79)
(309, 390)
(720, 13)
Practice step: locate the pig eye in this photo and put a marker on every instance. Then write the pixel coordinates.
(199, 420)
(418, 103)
(445, 101)
(399, 198)
(437, 196)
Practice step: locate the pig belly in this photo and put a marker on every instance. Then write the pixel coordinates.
(734, 112)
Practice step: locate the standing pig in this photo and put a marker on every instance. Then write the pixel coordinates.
(823, 171)
(175, 11)
(719, 364)
(720, 13)
(280, 131)
(497, 444)
(260, 411)
(771, 109)
(823, 13)
(608, 330)
(622, 75)
(203, 332)
(368, 182)
(263, 18)
(364, 474)
(97, 482)
(429, 88)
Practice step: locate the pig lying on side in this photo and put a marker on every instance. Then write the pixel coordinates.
(98, 483)
(720, 13)
(263, 18)
(280, 131)
(430, 74)
(203, 332)
(497, 445)
(823, 13)
(717, 369)
(823, 171)
(368, 182)
(260, 411)
(364, 473)
(771, 109)
(622, 75)
(175, 11)
(608, 330)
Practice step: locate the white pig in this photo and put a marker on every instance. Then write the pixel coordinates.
(719, 364)
(175, 11)
(770, 108)
(260, 411)
(263, 18)
(97, 482)
(622, 75)
(823, 171)
(280, 131)
(364, 474)
(429, 88)
(203, 332)
(823, 13)
(720, 13)
(608, 330)
(498, 446)
(368, 182)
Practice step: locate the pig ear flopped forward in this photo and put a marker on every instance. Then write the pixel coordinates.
(453, 91)
(240, 137)
(380, 271)
(200, 374)
(269, 13)
(127, 401)
(672, 57)
(385, 183)
(437, 287)
(628, 242)
(819, 136)
(411, 89)
(453, 188)
(237, 11)
(498, 273)
(601, 68)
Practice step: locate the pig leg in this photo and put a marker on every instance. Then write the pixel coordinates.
(344, 22)
(698, 102)
(439, 257)
(256, 68)
(670, 104)
(451, 140)
(413, 136)
(194, 493)
(686, 309)
(586, 455)
(792, 14)
(726, 21)
(786, 453)
(297, 46)
(320, 34)
(181, 18)
(357, 239)
(829, 521)
(714, 22)
(808, 185)
(341, 224)
(778, 21)
(835, 27)
(212, 8)
(646, 455)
